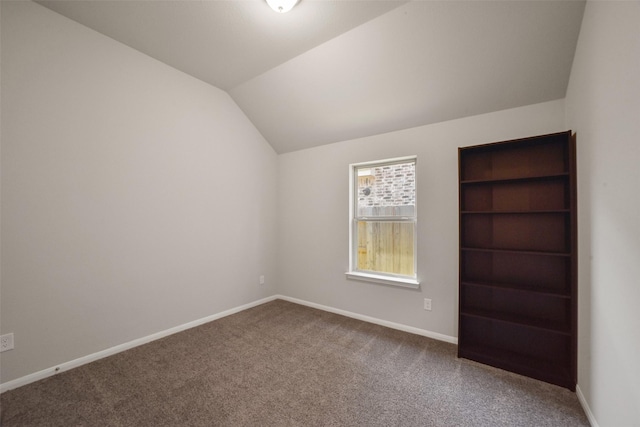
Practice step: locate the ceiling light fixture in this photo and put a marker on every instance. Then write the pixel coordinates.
(282, 6)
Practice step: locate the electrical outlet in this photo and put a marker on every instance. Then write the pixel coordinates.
(427, 304)
(262, 280)
(6, 342)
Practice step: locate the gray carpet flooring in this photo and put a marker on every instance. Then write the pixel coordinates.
(283, 364)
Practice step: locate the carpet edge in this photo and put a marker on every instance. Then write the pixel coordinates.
(374, 320)
(65, 366)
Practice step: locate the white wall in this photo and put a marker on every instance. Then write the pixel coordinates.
(603, 107)
(313, 207)
(135, 198)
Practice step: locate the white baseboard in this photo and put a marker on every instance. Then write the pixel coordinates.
(45, 373)
(392, 325)
(586, 408)
(36, 376)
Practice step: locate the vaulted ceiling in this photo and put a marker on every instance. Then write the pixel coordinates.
(330, 71)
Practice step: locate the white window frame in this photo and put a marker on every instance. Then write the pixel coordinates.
(379, 277)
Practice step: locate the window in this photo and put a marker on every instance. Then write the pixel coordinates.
(383, 221)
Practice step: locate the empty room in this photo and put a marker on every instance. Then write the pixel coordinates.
(316, 212)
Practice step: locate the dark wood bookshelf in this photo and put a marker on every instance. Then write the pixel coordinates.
(518, 296)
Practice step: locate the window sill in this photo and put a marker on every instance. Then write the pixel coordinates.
(386, 280)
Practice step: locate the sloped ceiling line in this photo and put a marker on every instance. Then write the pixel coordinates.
(330, 71)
